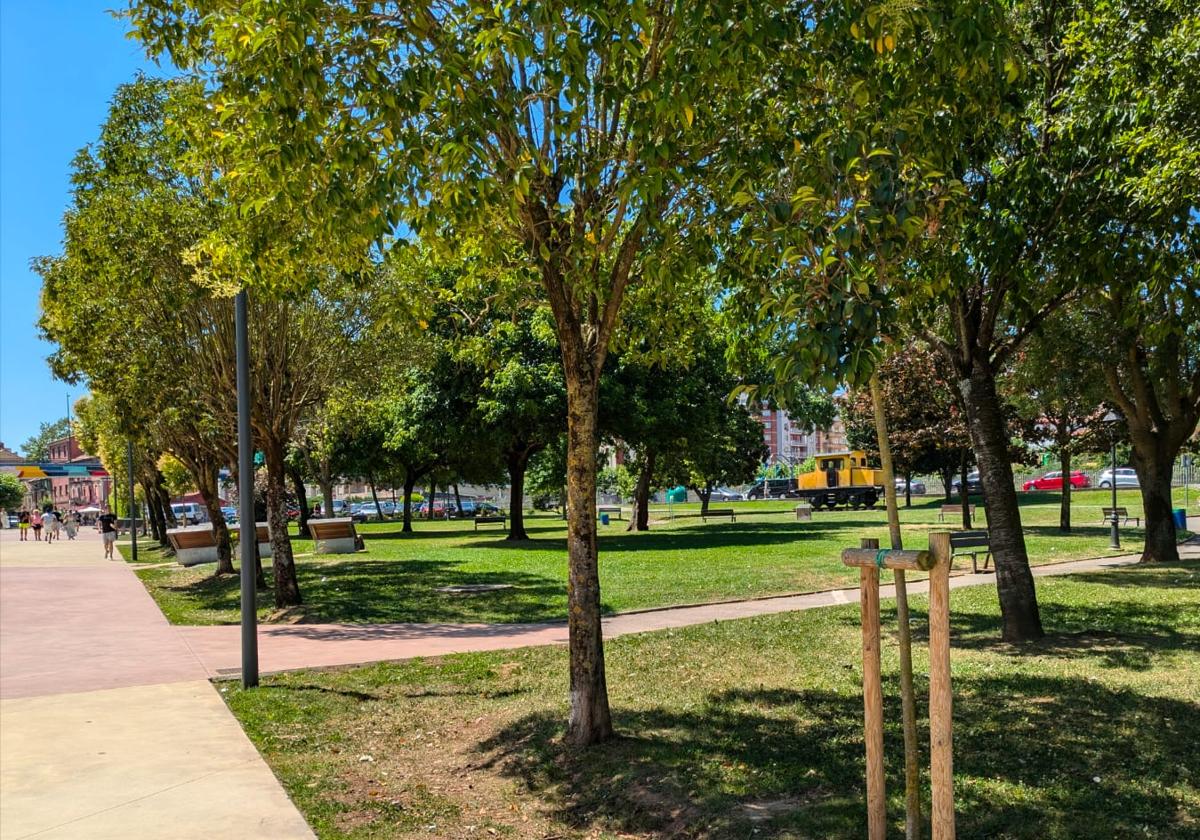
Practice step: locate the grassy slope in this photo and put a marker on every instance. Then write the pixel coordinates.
(675, 563)
(753, 728)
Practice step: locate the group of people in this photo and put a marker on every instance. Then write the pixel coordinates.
(55, 523)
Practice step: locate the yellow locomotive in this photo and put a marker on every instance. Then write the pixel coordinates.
(841, 478)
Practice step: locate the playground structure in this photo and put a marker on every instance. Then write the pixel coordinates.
(870, 560)
(841, 479)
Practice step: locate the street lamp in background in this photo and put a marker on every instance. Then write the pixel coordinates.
(1112, 420)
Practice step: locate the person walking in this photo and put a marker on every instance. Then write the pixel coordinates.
(35, 522)
(71, 524)
(23, 525)
(106, 524)
(52, 526)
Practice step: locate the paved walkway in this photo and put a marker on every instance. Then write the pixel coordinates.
(109, 727)
(288, 647)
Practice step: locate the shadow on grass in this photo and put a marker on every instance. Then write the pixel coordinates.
(1044, 756)
(398, 591)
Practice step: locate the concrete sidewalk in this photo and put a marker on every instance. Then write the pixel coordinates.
(109, 727)
(290, 647)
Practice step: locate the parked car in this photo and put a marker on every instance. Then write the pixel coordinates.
(293, 512)
(1126, 477)
(726, 494)
(1054, 481)
(13, 520)
(917, 486)
(974, 485)
(776, 488)
(189, 513)
(230, 513)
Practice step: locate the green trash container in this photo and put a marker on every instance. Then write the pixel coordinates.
(677, 495)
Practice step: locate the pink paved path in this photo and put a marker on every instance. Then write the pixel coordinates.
(290, 647)
(109, 725)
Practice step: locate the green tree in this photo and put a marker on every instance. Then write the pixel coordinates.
(1060, 393)
(12, 491)
(1136, 103)
(586, 131)
(37, 448)
(725, 446)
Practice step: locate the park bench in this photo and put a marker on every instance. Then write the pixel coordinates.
(334, 536)
(803, 512)
(1120, 514)
(971, 543)
(193, 544)
(953, 510)
(492, 519)
(612, 510)
(262, 533)
(713, 513)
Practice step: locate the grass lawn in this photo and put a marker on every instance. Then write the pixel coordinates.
(679, 562)
(752, 728)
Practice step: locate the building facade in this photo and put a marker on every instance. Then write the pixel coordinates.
(790, 442)
(77, 491)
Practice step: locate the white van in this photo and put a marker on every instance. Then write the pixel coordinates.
(189, 513)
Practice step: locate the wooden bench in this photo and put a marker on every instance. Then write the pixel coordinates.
(713, 513)
(492, 519)
(1120, 514)
(261, 532)
(193, 544)
(614, 511)
(334, 536)
(973, 543)
(955, 510)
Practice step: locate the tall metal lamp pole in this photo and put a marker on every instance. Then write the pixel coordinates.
(132, 503)
(248, 526)
(1112, 419)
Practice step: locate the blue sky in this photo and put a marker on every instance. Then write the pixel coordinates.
(60, 61)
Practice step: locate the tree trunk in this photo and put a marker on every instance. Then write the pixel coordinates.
(326, 497)
(410, 483)
(705, 497)
(1064, 509)
(164, 500)
(947, 475)
(1014, 582)
(908, 489)
(457, 501)
(964, 492)
(151, 510)
(590, 721)
(375, 496)
(207, 483)
(432, 498)
(640, 521)
(1154, 476)
(283, 565)
(301, 500)
(518, 460)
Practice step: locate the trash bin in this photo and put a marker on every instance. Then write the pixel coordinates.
(1180, 519)
(677, 495)
(604, 519)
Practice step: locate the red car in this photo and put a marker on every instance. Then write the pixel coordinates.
(1054, 481)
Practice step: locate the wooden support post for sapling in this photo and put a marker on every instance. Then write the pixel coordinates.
(941, 725)
(870, 559)
(872, 697)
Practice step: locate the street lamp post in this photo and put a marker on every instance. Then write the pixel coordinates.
(1111, 420)
(249, 535)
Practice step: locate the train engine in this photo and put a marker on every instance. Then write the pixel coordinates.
(841, 478)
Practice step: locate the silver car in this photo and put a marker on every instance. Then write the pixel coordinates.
(1126, 477)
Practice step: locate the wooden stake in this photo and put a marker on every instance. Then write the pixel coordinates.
(941, 757)
(912, 763)
(872, 701)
